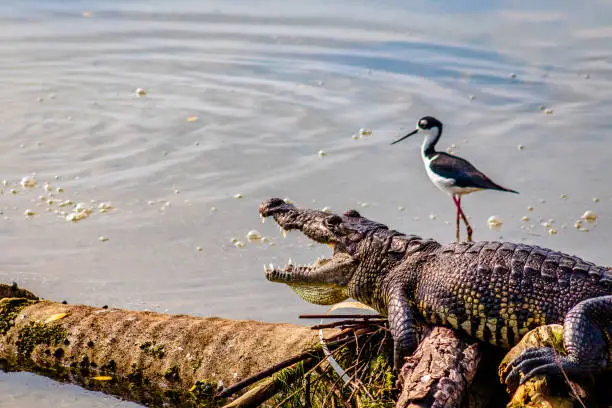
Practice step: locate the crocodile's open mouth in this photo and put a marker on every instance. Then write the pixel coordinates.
(324, 281)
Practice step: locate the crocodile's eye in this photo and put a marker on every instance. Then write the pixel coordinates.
(333, 220)
(352, 213)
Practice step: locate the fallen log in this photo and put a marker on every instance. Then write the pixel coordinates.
(150, 358)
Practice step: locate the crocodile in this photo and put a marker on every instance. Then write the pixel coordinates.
(493, 291)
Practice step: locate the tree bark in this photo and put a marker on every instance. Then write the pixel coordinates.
(150, 358)
(440, 370)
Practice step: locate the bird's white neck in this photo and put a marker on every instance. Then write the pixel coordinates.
(429, 143)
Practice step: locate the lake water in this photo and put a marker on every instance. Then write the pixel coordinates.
(240, 98)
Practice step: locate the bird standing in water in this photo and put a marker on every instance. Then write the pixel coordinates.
(451, 174)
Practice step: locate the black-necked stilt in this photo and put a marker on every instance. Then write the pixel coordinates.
(451, 174)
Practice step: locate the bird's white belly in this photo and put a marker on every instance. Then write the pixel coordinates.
(447, 185)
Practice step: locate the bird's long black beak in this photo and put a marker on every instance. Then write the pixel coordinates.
(404, 137)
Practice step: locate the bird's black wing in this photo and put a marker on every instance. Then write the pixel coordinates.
(463, 172)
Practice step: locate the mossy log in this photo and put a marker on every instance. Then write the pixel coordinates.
(178, 360)
(150, 358)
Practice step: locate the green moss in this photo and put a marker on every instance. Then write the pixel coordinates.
(36, 333)
(204, 392)
(195, 364)
(173, 396)
(172, 373)
(152, 349)
(9, 310)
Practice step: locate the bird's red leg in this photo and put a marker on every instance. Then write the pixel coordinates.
(458, 219)
(467, 224)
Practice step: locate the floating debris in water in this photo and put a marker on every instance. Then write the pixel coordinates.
(564, 196)
(364, 205)
(76, 216)
(4, 183)
(578, 224)
(83, 208)
(199, 249)
(13, 191)
(587, 76)
(103, 238)
(104, 207)
(365, 132)
(512, 75)
(239, 195)
(355, 136)
(595, 199)
(253, 235)
(432, 216)
(87, 14)
(213, 209)
(28, 182)
(239, 244)
(542, 201)
(401, 208)
(525, 218)
(552, 231)
(589, 216)
(29, 213)
(233, 240)
(471, 97)
(140, 92)
(521, 147)
(192, 118)
(530, 208)
(287, 200)
(548, 111)
(326, 209)
(47, 187)
(322, 153)
(494, 222)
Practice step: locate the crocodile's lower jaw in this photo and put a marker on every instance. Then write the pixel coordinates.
(276, 273)
(315, 293)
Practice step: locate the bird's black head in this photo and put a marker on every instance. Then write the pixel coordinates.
(427, 125)
(428, 122)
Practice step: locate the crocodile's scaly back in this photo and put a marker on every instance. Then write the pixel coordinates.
(499, 291)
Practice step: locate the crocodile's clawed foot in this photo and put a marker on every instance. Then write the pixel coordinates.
(536, 361)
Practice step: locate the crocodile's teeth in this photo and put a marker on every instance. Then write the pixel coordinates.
(284, 234)
(271, 266)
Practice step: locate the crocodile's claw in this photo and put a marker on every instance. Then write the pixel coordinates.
(536, 361)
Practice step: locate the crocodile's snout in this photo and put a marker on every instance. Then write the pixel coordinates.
(273, 206)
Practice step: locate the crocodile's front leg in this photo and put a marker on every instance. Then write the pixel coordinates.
(403, 327)
(587, 332)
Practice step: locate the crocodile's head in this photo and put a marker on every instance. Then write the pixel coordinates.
(326, 281)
